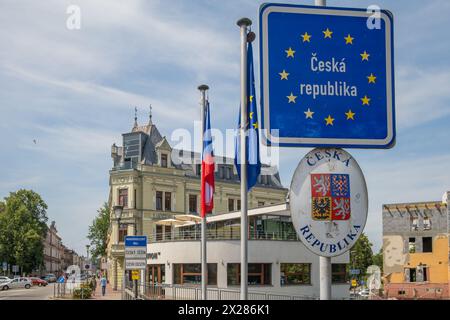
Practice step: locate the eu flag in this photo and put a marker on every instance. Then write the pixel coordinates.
(252, 139)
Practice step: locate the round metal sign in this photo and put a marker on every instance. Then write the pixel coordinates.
(328, 201)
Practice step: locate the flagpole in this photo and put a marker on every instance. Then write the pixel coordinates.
(203, 88)
(244, 23)
(324, 262)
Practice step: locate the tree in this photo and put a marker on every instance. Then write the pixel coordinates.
(378, 260)
(98, 232)
(361, 255)
(23, 227)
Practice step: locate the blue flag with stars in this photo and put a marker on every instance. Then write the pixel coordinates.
(252, 140)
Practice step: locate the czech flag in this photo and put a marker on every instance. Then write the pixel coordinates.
(207, 184)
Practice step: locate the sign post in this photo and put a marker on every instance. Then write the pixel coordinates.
(135, 258)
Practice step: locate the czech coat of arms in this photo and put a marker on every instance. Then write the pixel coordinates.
(330, 197)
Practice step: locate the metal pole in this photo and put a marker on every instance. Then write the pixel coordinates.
(325, 262)
(204, 264)
(325, 278)
(244, 23)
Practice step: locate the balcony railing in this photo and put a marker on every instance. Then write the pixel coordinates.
(232, 234)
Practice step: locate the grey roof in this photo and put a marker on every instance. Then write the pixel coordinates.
(187, 160)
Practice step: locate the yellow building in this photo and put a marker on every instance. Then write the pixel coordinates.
(153, 182)
(416, 250)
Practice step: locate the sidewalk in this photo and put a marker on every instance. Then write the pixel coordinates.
(109, 295)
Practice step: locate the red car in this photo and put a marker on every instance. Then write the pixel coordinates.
(38, 282)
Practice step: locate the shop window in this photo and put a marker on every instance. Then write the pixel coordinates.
(258, 274)
(427, 244)
(295, 273)
(192, 274)
(339, 273)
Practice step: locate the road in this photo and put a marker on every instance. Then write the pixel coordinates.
(34, 293)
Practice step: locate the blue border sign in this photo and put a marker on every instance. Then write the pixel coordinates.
(327, 77)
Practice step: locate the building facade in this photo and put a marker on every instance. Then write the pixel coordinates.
(279, 264)
(153, 182)
(53, 250)
(416, 249)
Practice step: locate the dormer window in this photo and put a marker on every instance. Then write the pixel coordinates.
(163, 160)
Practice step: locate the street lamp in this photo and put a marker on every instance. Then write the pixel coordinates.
(118, 210)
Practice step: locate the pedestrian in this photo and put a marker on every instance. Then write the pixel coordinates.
(94, 285)
(103, 284)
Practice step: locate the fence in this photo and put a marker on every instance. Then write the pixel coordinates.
(177, 292)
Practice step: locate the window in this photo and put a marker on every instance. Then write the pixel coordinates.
(123, 197)
(135, 199)
(258, 274)
(295, 273)
(164, 160)
(193, 203)
(261, 203)
(239, 204)
(192, 273)
(412, 245)
(123, 232)
(339, 273)
(426, 223)
(221, 175)
(159, 196)
(230, 205)
(167, 232)
(414, 224)
(168, 201)
(427, 244)
(199, 169)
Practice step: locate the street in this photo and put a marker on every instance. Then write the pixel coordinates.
(34, 293)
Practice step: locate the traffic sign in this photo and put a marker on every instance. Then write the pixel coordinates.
(327, 76)
(135, 252)
(15, 268)
(355, 272)
(5, 266)
(328, 200)
(135, 275)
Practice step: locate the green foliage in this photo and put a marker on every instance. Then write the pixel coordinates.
(84, 292)
(98, 232)
(378, 259)
(361, 255)
(23, 227)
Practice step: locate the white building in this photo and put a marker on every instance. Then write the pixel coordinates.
(278, 262)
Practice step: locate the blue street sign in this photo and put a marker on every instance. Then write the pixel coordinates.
(355, 272)
(136, 241)
(327, 77)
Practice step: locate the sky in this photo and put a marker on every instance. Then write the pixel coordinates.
(67, 95)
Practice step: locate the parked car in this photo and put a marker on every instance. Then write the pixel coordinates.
(17, 283)
(4, 279)
(49, 278)
(38, 282)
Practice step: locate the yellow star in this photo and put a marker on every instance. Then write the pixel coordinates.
(306, 37)
(365, 56)
(371, 78)
(348, 39)
(309, 114)
(291, 98)
(329, 120)
(251, 115)
(289, 52)
(327, 33)
(255, 125)
(284, 75)
(350, 115)
(251, 98)
(365, 100)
